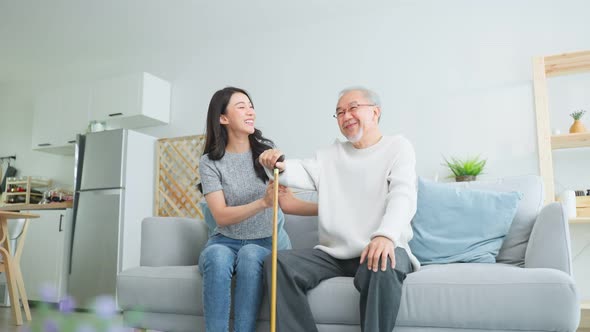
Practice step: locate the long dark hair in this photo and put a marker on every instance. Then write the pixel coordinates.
(217, 137)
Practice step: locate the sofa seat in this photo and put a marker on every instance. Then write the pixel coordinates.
(161, 289)
(488, 296)
(456, 296)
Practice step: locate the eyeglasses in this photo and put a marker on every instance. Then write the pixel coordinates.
(352, 108)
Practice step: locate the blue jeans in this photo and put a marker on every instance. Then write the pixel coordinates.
(220, 260)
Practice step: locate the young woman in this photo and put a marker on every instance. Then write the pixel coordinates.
(234, 185)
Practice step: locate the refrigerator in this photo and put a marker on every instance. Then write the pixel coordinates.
(114, 191)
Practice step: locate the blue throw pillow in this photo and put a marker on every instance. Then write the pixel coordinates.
(455, 225)
(284, 242)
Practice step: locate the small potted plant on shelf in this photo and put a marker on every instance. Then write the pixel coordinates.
(465, 170)
(578, 126)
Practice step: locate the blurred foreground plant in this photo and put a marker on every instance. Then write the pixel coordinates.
(102, 318)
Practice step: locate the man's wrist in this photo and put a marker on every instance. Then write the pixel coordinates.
(385, 237)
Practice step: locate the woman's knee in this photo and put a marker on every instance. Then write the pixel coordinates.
(252, 254)
(217, 257)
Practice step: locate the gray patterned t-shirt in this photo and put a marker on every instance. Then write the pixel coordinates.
(235, 175)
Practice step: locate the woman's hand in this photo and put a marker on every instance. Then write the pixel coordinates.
(268, 198)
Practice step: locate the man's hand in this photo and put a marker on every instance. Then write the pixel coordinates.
(269, 159)
(379, 248)
(286, 196)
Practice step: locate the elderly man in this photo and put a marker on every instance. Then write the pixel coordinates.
(367, 198)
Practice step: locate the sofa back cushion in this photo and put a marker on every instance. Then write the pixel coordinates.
(172, 241)
(458, 225)
(531, 187)
(303, 231)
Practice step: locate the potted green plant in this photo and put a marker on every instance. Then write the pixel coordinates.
(465, 170)
(578, 126)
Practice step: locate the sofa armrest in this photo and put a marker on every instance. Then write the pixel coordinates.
(549, 243)
(169, 241)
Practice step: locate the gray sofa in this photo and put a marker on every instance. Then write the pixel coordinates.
(530, 288)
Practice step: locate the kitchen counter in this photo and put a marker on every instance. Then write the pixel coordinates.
(22, 207)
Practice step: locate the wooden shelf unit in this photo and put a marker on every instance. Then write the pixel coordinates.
(567, 63)
(551, 66)
(580, 220)
(27, 207)
(23, 193)
(569, 141)
(585, 316)
(28, 183)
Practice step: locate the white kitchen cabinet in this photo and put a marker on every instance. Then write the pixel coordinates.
(46, 254)
(74, 116)
(128, 101)
(60, 114)
(47, 106)
(131, 101)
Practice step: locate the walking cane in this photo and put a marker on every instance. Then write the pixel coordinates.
(275, 216)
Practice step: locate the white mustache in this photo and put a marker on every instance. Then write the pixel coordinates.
(349, 122)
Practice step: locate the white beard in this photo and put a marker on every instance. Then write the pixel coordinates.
(357, 137)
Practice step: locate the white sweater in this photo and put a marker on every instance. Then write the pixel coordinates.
(362, 193)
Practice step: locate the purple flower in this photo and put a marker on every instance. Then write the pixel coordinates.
(50, 325)
(48, 293)
(105, 307)
(67, 305)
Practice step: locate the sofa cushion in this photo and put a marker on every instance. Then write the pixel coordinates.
(489, 296)
(164, 289)
(454, 225)
(453, 296)
(531, 186)
(463, 296)
(172, 241)
(303, 231)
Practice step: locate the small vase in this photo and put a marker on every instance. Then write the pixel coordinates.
(577, 127)
(568, 199)
(465, 178)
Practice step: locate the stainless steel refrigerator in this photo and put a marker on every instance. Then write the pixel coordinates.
(114, 192)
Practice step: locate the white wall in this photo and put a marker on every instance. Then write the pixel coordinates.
(16, 111)
(454, 76)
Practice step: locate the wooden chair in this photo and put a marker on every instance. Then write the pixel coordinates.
(10, 265)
